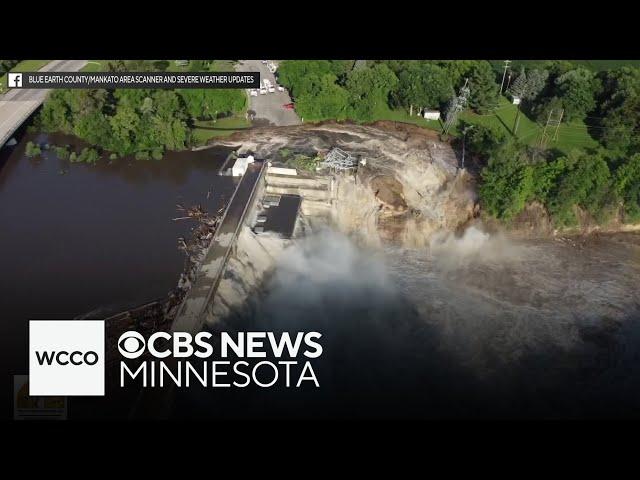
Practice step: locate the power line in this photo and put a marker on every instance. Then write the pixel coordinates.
(504, 74)
(456, 106)
(552, 121)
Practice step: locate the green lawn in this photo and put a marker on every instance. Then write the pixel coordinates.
(570, 136)
(383, 112)
(23, 66)
(96, 66)
(223, 127)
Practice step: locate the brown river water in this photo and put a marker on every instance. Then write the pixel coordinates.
(475, 326)
(78, 239)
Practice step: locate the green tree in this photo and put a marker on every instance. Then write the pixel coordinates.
(422, 85)
(586, 184)
(577, 90)
(326, 101)
(627, 186)
(368, 89)
(619, 109)
(483, 140)
(206, 103)
(507, 183)
(483, 86)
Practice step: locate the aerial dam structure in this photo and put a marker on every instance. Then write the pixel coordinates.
(261, 184)
(190, 316)
(18, 104)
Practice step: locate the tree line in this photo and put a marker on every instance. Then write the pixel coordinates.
(6, 65)
(140, 122)
(603, 182)
(341, 89)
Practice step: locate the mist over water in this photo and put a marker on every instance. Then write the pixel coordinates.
(473, 326)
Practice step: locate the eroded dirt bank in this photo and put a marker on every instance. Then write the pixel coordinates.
(408, 187)
(471, 325)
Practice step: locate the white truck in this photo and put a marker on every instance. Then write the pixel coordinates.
(268, 85)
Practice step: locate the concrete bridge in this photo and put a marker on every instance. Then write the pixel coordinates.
(18, 104)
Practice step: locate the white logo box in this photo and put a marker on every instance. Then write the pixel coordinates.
(67, 344)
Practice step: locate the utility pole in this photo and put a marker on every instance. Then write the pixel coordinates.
(464, 140)
(517, 122)
(456, 106)
(504, 74)
(551, 122)
(519, 92)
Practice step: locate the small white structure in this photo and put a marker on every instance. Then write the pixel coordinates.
(282, 171)
(431, 114)
(516, 100)
(240, 166)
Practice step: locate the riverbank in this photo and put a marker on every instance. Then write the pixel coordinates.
(401, 153)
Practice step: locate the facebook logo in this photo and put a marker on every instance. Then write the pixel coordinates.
(15, 80)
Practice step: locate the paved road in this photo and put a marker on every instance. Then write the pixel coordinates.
(17, 104)
(269, 107)
(190, 317)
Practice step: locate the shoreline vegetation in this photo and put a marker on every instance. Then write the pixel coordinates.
(585, 166)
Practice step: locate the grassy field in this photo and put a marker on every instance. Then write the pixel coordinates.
(570, 136)
(95, 66)
(223, 127)
(23, 66)
(383, 112)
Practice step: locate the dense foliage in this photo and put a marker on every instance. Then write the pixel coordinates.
(603, 183)
(6, 65)
(341, 90)
(143, 123)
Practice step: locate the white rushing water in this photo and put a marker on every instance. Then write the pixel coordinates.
(474, 325)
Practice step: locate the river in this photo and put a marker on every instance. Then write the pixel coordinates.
(473, 326)
(78, 239)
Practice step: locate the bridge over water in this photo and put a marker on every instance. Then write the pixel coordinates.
(18, 104)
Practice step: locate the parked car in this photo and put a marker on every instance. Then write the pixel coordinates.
(253, 92)
(288, 106)
(263, 91)
(280, 88)
(271, 89)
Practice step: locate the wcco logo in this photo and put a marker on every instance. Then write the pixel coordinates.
(66, 357)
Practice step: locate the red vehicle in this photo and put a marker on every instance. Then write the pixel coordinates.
(288, 106)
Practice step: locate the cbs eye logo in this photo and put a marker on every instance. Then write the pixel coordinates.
(131, 345)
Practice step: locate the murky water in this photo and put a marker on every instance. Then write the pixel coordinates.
(471, 327)
(76, 238)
